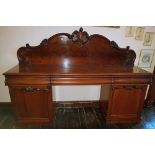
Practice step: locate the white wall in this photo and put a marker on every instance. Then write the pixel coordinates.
(11, 38)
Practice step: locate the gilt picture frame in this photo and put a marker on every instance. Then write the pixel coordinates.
(139, 33)
(129, 31)
(148, 38)
(145, 58)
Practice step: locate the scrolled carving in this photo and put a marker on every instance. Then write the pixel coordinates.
(80, 37)
(44, 42)
(130, 57)
(27, 46)
(55, 50)
(22, 57)
(114, 44)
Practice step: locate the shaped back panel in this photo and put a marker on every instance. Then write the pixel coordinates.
(77, 48)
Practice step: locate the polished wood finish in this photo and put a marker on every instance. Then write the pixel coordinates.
(76, 59)
(150, 100)
(78, 48)
(32, 104)
(126, 103)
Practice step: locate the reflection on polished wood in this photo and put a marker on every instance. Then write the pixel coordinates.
(76, 59)
(77, 70)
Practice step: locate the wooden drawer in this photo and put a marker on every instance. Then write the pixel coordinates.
(26, 80)
(80, 81)
(132, 80)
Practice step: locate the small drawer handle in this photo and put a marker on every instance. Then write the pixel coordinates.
(129, 87)
(139, 87)
(29, 89)
(133, 87)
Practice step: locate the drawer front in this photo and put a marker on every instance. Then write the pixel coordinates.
(132, 80)
(80, 81)
(19, 80)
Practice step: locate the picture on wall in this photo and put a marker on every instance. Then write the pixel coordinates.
(139, 33)
(130, 31)
(148, 38)
(145, 58)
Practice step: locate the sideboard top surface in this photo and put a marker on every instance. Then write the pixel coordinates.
(73, 70)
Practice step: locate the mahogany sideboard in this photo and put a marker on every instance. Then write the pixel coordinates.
(76, 59)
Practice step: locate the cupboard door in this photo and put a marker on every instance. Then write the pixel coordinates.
(32, 104)
(126, 103)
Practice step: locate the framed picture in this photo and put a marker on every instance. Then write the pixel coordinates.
(148, 38)
(145, 58)
(129, 31)
(139, 33)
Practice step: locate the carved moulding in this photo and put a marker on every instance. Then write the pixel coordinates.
(80, 37)
(94, 43)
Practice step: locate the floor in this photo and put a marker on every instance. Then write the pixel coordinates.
(78, 118)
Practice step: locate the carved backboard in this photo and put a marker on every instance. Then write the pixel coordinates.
(76, 48)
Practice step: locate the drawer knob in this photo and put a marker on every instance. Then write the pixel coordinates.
(29, 89)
